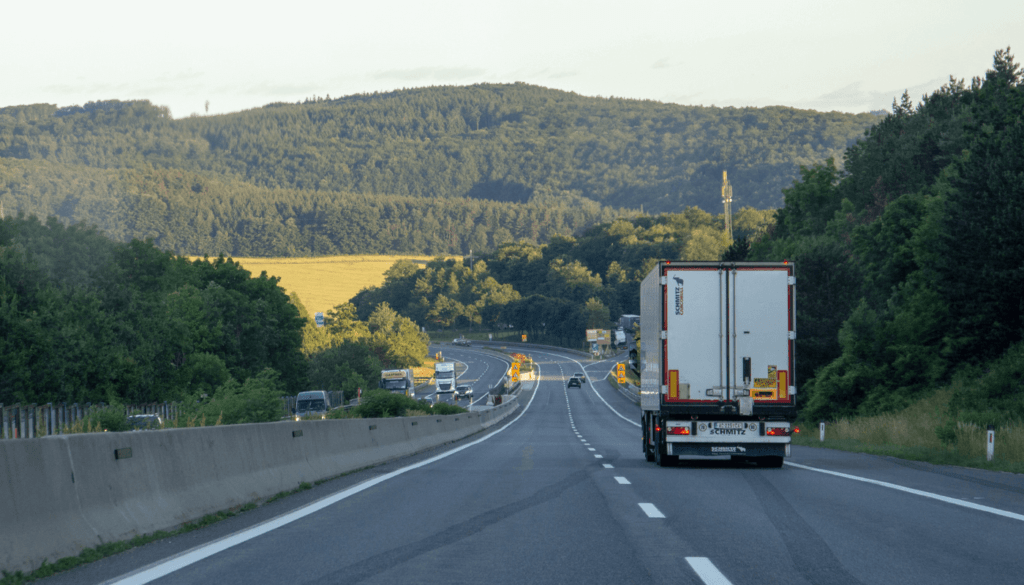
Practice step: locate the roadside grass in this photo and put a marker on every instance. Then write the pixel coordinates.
(325, 281)
(913, 433)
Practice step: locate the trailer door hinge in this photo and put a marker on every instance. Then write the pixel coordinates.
(664, 280)
(792, 280)
(792, 334)
(664, 334)
(664, 389)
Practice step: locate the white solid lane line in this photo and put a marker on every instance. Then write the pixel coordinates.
(707, 571)
(651, 510)
(948, 500)
(166, 567)
(622, 480)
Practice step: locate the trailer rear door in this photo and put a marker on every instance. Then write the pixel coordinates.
(728, 333)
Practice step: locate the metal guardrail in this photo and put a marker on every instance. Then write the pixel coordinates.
(28, 421)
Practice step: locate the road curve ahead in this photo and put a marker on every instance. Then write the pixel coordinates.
(562, 494)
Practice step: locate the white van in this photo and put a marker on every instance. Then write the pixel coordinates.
(312, 404)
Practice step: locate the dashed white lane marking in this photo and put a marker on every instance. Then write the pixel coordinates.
(591, 449)
(596, 456)
(608, 466)
(651, 510)
(707, 571)
(953, 501)
(622, 480)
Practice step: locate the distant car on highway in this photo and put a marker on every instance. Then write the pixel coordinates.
(574, 382)
(581, 376)
(464, 391)
(460, 341)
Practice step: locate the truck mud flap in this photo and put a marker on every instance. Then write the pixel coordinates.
(716, 449)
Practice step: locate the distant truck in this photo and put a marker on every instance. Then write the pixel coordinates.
(717, 360)
(398, 382)
(444, 377)
(620, 338)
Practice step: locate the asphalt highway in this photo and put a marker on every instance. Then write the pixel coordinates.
(562, 494)
(479, 368)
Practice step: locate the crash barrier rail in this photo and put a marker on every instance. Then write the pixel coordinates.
(28, 421)
(64, 493)
(626, 390)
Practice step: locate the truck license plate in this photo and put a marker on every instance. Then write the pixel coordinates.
(729, 425)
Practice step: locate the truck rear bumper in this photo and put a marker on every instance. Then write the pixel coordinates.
(717, 449)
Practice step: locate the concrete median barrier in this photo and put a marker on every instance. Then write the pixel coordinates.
(62, 494)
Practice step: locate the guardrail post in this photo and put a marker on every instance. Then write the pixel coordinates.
(3, 421)
(990, 443)
(32, 421)
(822, 427)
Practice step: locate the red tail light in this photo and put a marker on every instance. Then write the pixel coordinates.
(777, 432)
(796, 429)
(679, 431)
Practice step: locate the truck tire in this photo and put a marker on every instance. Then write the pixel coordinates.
(648, 452)
(660, 447)
(770, 461)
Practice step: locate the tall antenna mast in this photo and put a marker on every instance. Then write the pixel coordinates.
(727, 203)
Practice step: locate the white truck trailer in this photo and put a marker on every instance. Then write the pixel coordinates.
(444, 377)
(717, 375)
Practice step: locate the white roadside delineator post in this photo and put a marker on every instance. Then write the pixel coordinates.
(990, 443)
(822, 428)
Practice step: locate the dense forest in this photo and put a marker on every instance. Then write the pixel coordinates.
(368, 173)
(191, 213)
(911, 259)
(86, 319)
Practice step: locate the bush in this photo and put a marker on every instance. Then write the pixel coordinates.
(445, 408)
(108, 418)
(380, 403)
(258, 399)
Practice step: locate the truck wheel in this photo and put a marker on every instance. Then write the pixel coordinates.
(770, 461)
(645, 425)
(660, 456)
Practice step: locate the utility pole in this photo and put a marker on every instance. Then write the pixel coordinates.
(727, 202)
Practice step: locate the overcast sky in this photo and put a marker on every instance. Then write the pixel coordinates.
(817, 54)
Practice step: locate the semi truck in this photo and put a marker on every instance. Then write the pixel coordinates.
(717, 361)
(398, 382)
(444, 377)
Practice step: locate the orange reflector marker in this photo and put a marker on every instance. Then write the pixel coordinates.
(673, 384)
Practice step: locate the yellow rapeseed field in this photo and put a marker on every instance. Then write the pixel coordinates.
(325, 281)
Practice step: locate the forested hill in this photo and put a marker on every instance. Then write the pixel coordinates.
(506, 143)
